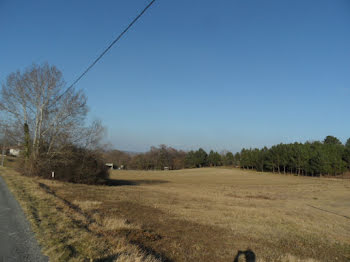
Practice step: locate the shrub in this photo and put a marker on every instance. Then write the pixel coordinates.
(76, 165)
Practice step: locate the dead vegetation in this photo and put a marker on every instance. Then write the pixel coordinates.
(65, 231)
(189, 215)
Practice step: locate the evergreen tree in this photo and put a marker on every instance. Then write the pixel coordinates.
(190, 160)
(214, 158)
(332, 140)
(201, 158)
(346, 155)
(347, 144)
(229, 159)
(237, 160)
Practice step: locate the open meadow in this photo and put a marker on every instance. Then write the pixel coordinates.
(205, 214)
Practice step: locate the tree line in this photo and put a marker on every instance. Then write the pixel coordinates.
(164, 157)
(329, 157)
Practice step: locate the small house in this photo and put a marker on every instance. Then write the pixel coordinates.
(110, 165)
(14, 151)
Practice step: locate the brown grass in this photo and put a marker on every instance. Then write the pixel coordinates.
(65, 231)
(190, 215)
(10, 161)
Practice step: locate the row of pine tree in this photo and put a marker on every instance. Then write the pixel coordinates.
(329, 157)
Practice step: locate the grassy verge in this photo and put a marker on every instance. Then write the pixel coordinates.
(65, 231)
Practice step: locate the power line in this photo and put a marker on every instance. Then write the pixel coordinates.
(108, 48)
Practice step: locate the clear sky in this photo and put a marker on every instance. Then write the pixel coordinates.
(212, 74)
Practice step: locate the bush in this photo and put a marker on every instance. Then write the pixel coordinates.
(76, 165)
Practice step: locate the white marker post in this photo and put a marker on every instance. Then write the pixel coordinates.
(53, 174)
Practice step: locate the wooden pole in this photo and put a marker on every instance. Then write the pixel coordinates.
(3, 153)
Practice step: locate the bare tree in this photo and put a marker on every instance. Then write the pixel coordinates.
(34, 98)
(44, 118)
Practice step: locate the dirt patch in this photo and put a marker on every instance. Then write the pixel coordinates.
(250, 196)
(124, 182)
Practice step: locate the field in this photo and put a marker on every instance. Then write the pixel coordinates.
(203, 214)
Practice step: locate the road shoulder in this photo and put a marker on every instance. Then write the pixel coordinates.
(17, 241)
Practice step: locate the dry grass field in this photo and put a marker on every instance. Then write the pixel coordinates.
(203, 214)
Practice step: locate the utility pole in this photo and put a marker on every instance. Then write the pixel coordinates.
(3, 153)
(3, 149)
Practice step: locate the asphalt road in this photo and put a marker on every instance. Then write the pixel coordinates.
(17, 241)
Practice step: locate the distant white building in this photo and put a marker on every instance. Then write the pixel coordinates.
(110, 165)
(14, 151)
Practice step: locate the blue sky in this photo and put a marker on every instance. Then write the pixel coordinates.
(212, 74)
